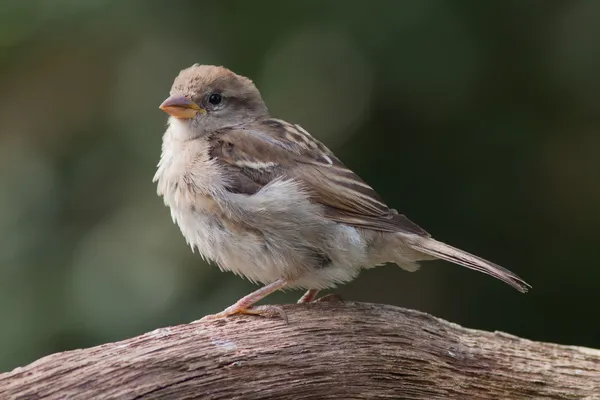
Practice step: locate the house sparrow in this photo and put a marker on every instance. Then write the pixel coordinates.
(262, 198)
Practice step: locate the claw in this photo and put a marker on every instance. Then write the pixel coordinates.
(330, 298)
(244, 305)
(266, 311)
(311, 297)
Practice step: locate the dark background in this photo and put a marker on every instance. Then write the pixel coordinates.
(479, 120)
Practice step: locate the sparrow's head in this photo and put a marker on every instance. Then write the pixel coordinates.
(205, 98)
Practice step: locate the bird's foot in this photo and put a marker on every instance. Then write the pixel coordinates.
(330, 298)
(245, 304)
(311, 297)
(267, 311)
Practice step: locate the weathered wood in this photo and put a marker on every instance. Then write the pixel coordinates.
(328, 351)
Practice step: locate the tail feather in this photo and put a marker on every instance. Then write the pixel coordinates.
(446, 252)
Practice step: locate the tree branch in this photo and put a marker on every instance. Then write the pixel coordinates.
(335, 351)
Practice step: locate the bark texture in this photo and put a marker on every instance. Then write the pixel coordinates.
(327, 351)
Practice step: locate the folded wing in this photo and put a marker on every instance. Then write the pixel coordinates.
(257, 154)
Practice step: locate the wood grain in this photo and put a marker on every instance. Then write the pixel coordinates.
(328, 351)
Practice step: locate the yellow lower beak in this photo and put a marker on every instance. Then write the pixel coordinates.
(181, 107)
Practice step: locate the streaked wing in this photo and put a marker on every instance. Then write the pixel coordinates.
(256, 154)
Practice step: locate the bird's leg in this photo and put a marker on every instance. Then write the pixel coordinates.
(245, 304)
(309, 296)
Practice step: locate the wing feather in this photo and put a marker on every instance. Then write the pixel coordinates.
(266, 150)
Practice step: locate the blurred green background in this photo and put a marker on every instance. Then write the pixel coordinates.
(479, 120)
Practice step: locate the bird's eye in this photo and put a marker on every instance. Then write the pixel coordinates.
(215, 99)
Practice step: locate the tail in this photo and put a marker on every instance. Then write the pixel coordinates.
(445, 252)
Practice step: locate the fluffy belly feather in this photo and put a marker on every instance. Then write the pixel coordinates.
(265, 258)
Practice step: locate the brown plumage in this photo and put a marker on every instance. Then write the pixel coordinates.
(285, 211)
(273, 149)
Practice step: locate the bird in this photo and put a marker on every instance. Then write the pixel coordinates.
(262, 198)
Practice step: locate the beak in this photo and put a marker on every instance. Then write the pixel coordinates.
(181, 107)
